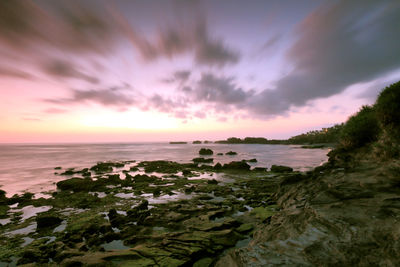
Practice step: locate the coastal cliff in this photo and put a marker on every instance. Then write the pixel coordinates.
(345, 212)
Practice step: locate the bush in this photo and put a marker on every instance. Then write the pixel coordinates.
(360, 129)
(388, 109)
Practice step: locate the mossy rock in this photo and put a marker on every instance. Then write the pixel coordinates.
(245, 228)
(263, 212)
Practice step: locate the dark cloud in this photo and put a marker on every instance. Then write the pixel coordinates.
(338, 45)
(66, 25)
(177, 40)
(11, 72)
(65, 69)
(219, 90)
(111, 97)
(211, 51)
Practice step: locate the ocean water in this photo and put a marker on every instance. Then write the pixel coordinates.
(30, 167)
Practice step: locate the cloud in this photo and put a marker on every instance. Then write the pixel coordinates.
(211, 88)
(176, 40)
(338, 45)
(110, 97)
(70, 27)
(11, 72)
(211, 51)
(180, 77)
(166, 105)
(64, 69)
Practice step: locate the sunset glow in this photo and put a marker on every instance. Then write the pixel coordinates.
(136, 71)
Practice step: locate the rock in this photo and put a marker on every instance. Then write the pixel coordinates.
(281, 168)
(213, 181)
(237, 165)
(218, 166)
(156, 192)
(102, 167)
(161, 166)
(220, 154)
(252, 160)
(263, 212)
(260, 169)
(231, 153)
(202, 160)
(47, 221)
(205, 262)
(245, 228)
(133, 169)
(139, 178)
(205, 151)
(68, 172)
(57, 168)
(186, 172)
(29, 256)
(76, 184)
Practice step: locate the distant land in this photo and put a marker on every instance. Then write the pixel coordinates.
(311, 139)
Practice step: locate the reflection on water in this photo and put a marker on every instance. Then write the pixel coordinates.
(31, 167)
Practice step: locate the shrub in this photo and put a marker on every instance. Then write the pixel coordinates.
(360, 129)
(388, 109)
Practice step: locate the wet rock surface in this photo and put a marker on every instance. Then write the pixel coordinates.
(150, 213)
(341, 214)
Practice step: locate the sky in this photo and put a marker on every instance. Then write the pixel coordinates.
(140, 71)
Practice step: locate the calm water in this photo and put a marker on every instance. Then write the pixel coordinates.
(31, 167)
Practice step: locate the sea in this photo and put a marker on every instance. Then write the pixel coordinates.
(30, 167)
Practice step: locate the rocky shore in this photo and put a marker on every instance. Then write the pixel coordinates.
(345, 213)
(151, 213)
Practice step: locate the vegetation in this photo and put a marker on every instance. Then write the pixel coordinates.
(326, 135)
(247, 140)
(388, 109)
(360, 129)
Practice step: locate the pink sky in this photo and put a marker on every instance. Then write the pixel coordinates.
(162, 71)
